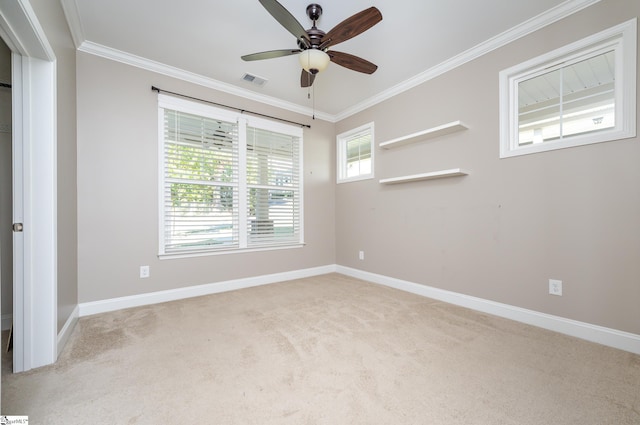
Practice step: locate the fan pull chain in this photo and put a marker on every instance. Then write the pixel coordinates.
(314, 102)
(309, 96)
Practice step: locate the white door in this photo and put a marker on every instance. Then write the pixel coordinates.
(18, 221)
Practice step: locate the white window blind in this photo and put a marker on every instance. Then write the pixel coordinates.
(273, 185)
(201, 182)
(227, 185)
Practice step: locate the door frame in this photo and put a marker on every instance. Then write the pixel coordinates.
(34, 133)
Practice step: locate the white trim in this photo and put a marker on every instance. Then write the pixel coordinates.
(241, 123)
(22, 32)
(534, 24)
(35, 135)
(7, 321)
(548, 17)
(41, 209)
(70, 8)
(180, 74)
(621, 39)
(67, 329)
(103, 306)
(606, 336)
(341, 153)
(44, 192)
(601, 335)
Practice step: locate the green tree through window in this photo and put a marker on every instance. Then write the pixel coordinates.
(227, 183)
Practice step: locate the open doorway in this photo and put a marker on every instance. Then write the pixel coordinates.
(33, 134)
(6, 249)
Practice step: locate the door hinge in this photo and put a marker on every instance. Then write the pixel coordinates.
(17, 227)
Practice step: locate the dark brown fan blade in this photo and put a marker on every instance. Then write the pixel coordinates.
(286, 19)
(270, 54)
(350, 27)
(352, 62)
(306, 79)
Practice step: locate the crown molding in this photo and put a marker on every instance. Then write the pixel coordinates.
(170, 71)
(71, 13)
(548, 17)
(22, 32)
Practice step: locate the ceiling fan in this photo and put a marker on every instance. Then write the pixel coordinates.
(313, 44)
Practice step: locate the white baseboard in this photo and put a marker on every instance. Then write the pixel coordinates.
(7, 321)
(601, 335)
(67, 329)
(96, 307)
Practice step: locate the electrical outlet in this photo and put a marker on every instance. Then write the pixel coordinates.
(555, 287)
(361, 255)
(144, 272)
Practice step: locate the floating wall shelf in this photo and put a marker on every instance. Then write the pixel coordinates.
(429, 133)
(425, 176)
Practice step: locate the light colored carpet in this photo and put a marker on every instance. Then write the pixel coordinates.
(325, 350)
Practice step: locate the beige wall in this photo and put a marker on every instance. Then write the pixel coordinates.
(118, 188)
(52, 19)
(503, 231)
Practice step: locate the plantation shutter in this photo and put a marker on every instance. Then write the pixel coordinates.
(273, 187)
(200, 193)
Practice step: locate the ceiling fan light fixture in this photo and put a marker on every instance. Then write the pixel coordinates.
(314, 60)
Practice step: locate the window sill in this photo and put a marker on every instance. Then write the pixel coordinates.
(355, 179)
(201, 253)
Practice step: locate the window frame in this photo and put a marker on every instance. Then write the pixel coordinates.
(243, 121)
(620, 38)
(342, 140)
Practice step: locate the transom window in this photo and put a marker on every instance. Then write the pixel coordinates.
(579, 94)
(355, 154)
(228, 182)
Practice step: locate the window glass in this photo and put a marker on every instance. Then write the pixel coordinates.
(228, 183)
(579, 94)
(272, 180)
(200, 175)
(572, 100)
(355, 154)
(359, 155)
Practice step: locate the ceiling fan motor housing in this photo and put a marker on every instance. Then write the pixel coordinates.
(314, 11)
(315, 38)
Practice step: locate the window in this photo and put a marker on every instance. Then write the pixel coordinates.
(228, 182)
(355, 154)
(580, 94)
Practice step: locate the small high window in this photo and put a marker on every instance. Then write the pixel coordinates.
(355, 154)
(579, 94)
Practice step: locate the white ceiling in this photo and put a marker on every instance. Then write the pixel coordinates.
(207, 38)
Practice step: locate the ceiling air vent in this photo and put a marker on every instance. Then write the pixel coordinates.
(254, 79)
